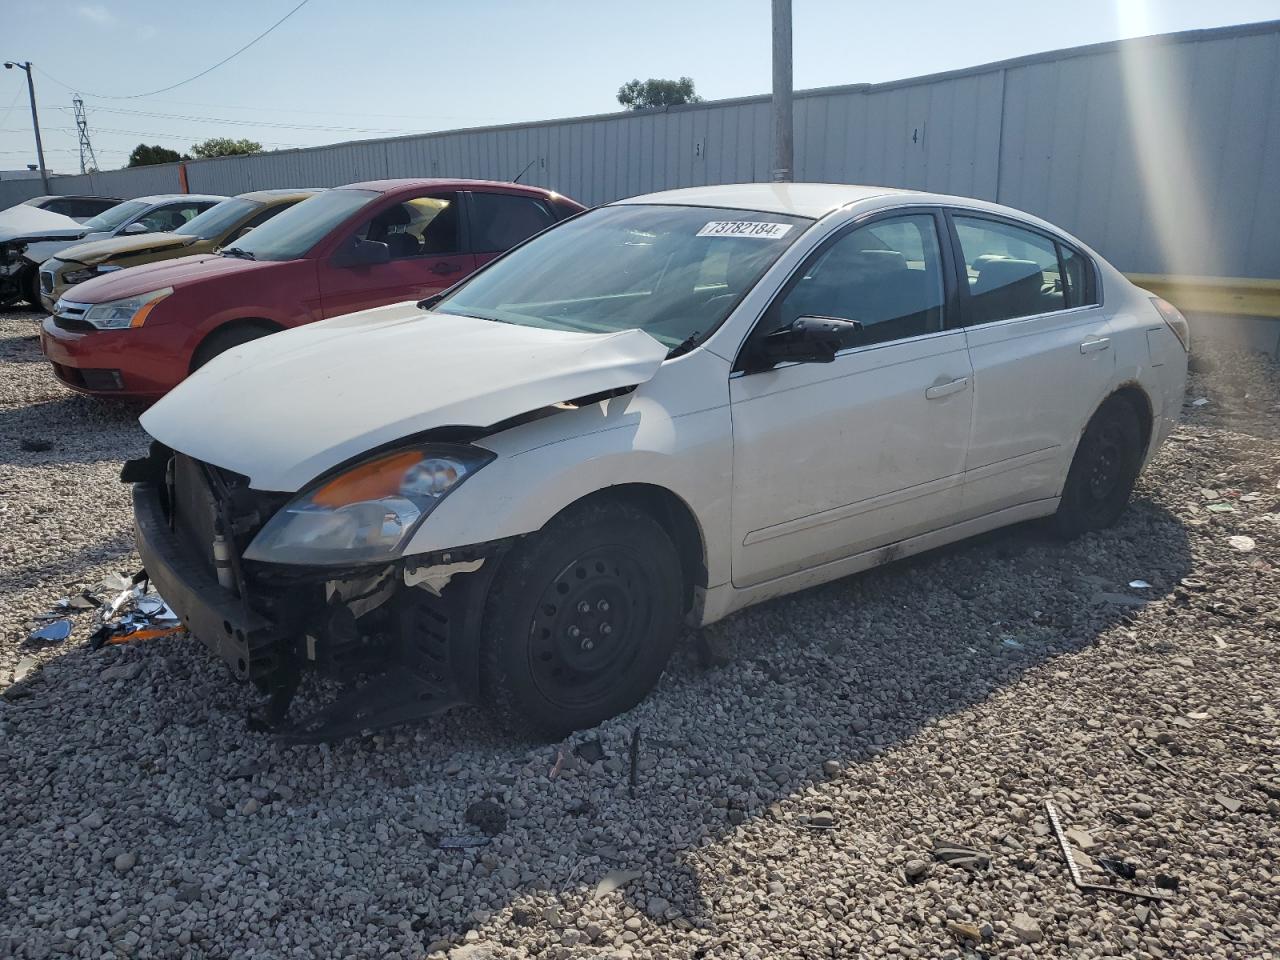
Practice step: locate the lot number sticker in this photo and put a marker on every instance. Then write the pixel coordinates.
(745, 228)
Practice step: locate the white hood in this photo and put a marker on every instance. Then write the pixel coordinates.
(25, 221)
(284, 409)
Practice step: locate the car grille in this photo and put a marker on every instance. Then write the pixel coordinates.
(70, 316)
(46, 281)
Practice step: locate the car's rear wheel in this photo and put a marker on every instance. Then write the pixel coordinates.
(224, 338)
(581, 620)
(1103, 471)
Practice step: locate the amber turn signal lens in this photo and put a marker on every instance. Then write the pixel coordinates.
(379, 478)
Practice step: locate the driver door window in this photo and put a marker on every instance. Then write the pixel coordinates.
(421, 227)
(886, 276)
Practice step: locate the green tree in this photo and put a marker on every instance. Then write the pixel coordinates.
(642, 94)
(225, 147)
(144, 155)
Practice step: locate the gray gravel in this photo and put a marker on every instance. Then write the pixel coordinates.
(783, 799)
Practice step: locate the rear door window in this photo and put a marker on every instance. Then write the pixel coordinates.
(1010, 272)
(501, 220)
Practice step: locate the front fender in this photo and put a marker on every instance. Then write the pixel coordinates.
(628, 440)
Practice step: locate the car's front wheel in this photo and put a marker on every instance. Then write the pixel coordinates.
(581, 620)
(1103, 471)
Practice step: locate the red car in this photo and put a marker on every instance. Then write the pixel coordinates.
(140, 331)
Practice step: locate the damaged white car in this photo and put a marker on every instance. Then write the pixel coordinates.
(662, 410)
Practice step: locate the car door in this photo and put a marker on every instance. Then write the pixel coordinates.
(424, 236)
(1040, 346)
(499, 221)
(832, 459)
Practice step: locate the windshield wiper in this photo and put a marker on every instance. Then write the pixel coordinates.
(237, 252)
(685, 345)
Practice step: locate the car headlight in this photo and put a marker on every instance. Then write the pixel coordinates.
(366, 513)
(79, 276)
(129, 312)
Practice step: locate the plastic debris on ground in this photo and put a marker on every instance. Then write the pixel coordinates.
(125, 610)
(1139, 585)
(55, 631)
(1199, 401)
(1241, 543)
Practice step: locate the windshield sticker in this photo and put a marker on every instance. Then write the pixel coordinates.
(745, 228)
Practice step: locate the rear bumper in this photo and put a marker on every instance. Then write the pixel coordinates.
(248, 642)
(121, 363)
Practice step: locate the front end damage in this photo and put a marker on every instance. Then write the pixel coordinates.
(408, 629)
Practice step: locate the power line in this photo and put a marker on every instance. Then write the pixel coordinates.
(174, 86)
(248, 123)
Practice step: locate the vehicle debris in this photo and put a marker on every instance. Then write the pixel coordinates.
(135, 614)
(462, 841)
(1073, 868)
(956, 855)
(614, 880)
(55, 631)
(1117, 868)
(591, 751)
(1139, 585)
(1200, 401)
(1242, 543)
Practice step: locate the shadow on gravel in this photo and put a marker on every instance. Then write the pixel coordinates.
(840, 673)
(70, 429)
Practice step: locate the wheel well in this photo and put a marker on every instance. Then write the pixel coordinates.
(255, 323)
(1137, 398)
(676, 518)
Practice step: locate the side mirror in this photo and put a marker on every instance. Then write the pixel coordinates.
(362, 253)
(136, 228)
(807, 340)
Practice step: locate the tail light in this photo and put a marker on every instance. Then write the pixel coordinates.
(1176, 321)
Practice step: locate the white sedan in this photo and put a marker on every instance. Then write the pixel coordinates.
(665, 409)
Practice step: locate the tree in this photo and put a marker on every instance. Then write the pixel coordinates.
(225, 147)
(642, 94)
(144, 155)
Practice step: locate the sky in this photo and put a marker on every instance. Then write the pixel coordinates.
(337, 70)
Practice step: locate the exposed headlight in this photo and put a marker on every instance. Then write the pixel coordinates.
(367, 513)
(129, 312)
(79, 276)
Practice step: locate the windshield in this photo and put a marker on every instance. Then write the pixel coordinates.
(112, 217)
(673, 272)
(292, 233)
(219, 218)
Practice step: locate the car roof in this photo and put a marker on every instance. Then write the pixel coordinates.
(166, 197)
(800, 199)
(298, 193)
(439, 183)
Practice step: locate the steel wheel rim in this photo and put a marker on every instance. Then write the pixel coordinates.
(587, 628)
(1105, 463)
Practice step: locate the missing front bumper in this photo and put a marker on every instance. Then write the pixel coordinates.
(418, 650)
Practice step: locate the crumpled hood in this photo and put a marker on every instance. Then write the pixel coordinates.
(23, 220)
(284, 409)
(104, 251)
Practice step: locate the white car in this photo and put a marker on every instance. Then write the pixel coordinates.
(662, 410)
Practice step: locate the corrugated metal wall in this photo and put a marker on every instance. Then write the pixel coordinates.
(1162, 153)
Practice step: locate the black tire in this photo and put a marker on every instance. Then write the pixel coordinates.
(1103, 471)
(224, 338)
(581, 620)
(31, 287)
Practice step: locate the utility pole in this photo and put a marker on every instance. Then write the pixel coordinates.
(783, 127)
(35, 119)
(82, 129)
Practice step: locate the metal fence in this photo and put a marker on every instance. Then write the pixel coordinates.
(1163, 153)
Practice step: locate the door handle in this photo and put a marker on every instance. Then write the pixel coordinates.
(1093, 346)
(939, 390)
(443, 269)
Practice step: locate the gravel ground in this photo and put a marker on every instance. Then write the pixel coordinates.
(787, 802)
